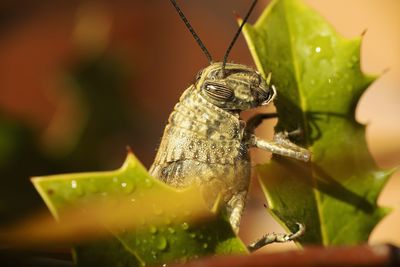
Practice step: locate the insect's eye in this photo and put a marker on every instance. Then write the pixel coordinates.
(218, 92)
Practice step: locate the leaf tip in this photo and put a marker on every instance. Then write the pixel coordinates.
(237, 17)
(35, 180)
(131, 160)
(128, 150)
(363, 33)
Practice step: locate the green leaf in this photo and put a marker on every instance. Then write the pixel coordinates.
(319, 82)
(149, 221)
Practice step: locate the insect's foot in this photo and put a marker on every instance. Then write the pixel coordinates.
(300, 232)
(276, 238)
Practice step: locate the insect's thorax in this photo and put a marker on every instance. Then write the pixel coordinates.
(204, 144)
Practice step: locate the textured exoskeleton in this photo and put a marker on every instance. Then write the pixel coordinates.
(206, 143)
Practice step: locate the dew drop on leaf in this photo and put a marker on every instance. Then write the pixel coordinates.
(148, 183)
(76, 189)
(161, 243)
(153, 230)
(185, 226)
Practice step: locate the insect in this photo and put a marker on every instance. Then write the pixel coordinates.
(207, 143)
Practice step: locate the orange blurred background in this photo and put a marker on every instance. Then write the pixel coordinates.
(67, 65)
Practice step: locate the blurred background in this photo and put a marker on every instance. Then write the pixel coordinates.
(81, 80)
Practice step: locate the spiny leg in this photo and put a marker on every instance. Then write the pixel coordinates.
(281, 146)
(276, 238)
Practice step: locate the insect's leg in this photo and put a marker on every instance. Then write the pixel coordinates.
(235, 208)
(254, 121)
(276, 238)
(281, 146)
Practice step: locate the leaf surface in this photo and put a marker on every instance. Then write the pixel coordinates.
(319, 82)
(149, 222)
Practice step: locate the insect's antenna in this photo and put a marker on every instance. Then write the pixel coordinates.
(190, 28)
(236, 36)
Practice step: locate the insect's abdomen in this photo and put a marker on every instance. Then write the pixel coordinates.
(203, 144)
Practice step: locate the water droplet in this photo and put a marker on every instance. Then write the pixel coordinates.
(318, 49)
(192, 235)
(148, 182)
(205, 245)
(330, 80)
(92, 186)
(115, 179)
(164, 265)
(77, 190)
(213, 146)
(154, 255)
(185, 226)
(153, 230)
(127, 187)
(171, 230)
(161, 243)
(191, 146)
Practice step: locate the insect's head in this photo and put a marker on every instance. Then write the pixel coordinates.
(235, 88)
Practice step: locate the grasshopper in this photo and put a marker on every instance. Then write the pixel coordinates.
(207, 143)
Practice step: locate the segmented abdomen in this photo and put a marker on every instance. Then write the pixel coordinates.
(203, 144)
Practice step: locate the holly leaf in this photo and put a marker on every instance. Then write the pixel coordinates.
(148, 222)
(319, 81)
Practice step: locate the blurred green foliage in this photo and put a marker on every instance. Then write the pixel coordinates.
(110, 124)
